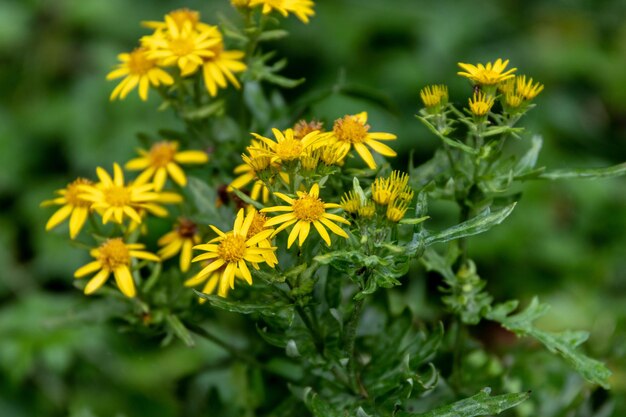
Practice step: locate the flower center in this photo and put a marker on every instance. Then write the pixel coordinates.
(308, 208)
(138, 63)
(303, 128)
(349, 129)
(117, 196)
(257, 225)
(289, 149)
(232, 248)
(186, 228)
(73, 192)
(113, 253)
(162, 153)
(181, 46)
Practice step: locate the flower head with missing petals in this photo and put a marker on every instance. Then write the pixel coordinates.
(114, 256)
(73, 206)
(352, 131)
(138, 69)
(162, 160)
(233, 251)
(286, 148)
(180, 240)
(488, 74)
(306, 210)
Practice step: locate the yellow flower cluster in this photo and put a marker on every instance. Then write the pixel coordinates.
(181, 41)
(518, 92)
(302, 9)
(392, 195)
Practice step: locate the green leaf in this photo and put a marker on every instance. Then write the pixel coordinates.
(244, 308)
(529, 160)
(204, 112)
(414, 221)
(563, 343)
(203, 196)
(481, 404)
(451, 142)
(317, 406)
(479, 224)
(585, 173)
(272, 35)
(179, 329)
(246, 199)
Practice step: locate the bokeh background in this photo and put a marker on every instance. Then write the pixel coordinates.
(566, 241)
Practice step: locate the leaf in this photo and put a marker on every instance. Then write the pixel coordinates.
(203, 196)
(529, 160)
(585, 173)
(481, 404)
(179, 329)
(204, 112)
(246, 199)
(317, 406)
(244, 308)
(414, 221)
(272, 35)
(451, 142)
(563, 343)
(479, 224)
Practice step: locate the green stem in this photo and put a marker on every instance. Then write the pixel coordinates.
(457, 363)
(349, 341)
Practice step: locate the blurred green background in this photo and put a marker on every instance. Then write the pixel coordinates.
(566, 240)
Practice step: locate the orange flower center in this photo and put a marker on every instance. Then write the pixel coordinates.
(303, 128)
(113, 253)
(350, 129)
(162, 153)
(139, 63)
(308, 208)
(73, 192)
(117, 196)
(232, 248)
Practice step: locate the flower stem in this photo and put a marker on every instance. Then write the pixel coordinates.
(349, 341)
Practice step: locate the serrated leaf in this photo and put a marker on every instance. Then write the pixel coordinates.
(479, 224)
(481, 404)
(451, 142)
(585, 173)
(563, 343)
(179, 329)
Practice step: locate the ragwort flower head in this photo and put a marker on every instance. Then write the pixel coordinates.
(488, 74)
(352, 131)
(180, 240)
(163, 159)
(303, 9)
(286, 147)
(303, 211)
(220, 68)
(434, 96)
(233, 251)
(180, 17)
(138, 69)
(114, 256)
(115, 200)
(73, 205)
(480, 104)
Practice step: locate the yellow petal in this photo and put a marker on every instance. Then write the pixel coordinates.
(294, 233)
(137, 164)
(124, 281)
(304, 232)
(97, 281)
(177, 174)
(185, 255)
(365, 154)
(381, 148)
(191, 157)
(322, 231)
(333, 227)
(245, 272)
(60, 215)
(159, 179)
(140, 254)
(87, 269)
(79, 215)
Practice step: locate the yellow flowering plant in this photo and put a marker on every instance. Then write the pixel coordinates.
(204, 223)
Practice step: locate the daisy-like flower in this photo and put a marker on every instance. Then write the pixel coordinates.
(526, 88)
(163, 159)
(212, 281)
(303, 211)
(233, 251)
(73, 206)
(303, 128)
(396, 210)
(488, 74)
(180, 240)
(114, 256)
(114, 199)
(434, 96)
(350, 202)
(386, 190)
(180, 17)
(220, 68)
(352, 131)
(286, 147)
(480, 104)
(138, 70)
(249, 171)
(303, 9)
(186, 47)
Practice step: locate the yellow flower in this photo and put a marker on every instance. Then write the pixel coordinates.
(218, 69)
(114, 256)
(386, 190)
(138, 70)
(305, 210)
(303, 9)
(352, 131)
(303, 128)
(286, 147)
(367, 210)
(350, 202)
(163, 159)
(526, 89)
(186, 47)
(480, 104)
(489, 74)
(181, 239)
(115, 200)
(180, 17)
(232, 250)
(249, 171)
(396, 210)
(434, 95)
(513, 100)
(72, 204)
(211, 281)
